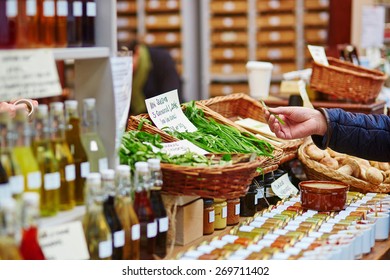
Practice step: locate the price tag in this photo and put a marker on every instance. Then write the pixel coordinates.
(34, 180)
(283, 188)
(28, 74)
(163, 224)
(165, 111)
(119, 238)
(224, 212)
(237, 209)
(70, 172)
(181, 147)
(52, 181)
(135, 232)
(318, 54)
(77, 9)
(17, 184)
(91, 9)
(84, 166)
(151, 230)
(31, 8)
(62, 8)
(56, 241)
(105, 249)
(211, 216)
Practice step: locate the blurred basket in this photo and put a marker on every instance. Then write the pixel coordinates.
(317, 171)
(346, 80)
(239, 105)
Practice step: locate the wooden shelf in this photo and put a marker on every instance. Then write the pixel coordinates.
(81, 53)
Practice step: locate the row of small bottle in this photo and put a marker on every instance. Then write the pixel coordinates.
(116, 226)
(47, 23)
(52, 159)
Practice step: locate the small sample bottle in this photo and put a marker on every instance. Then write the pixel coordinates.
(220, 207)
(208, 216)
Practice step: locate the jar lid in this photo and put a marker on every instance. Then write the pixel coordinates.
(207, 202)
(219, 200)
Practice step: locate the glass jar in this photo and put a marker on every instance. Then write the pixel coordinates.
(248, 202)
(220, 207)
(233, 211)
(208, 216)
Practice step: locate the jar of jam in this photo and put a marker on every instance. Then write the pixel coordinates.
(208, 216)
(248, 203)
(220, 208)
(233, 211)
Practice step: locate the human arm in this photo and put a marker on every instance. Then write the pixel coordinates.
(12, 106)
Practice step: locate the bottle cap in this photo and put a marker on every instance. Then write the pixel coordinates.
(108, 174)
(71, 104)
(43, 109)
(30, 198)
(56, 106)
(123, 169)
(94, 178)
(154, 163)
(142, 166)
(89, 102)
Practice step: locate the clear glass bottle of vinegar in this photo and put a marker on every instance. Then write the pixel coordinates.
(8, 23)
(22, 152)
(28, 34)
(73, 138)
(126, 213)
(90, 138)
(47, 23)
(74, 23)
(43, 151)
(63, 155)
(144, 211)
(97, 232)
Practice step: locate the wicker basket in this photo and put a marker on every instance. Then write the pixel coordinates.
(239, 105)
(346, 80)
(317, 171)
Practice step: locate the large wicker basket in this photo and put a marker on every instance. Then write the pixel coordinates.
(317, 171)
(346, 80)
(239, 105)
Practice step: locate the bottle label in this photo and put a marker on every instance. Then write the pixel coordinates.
(103, 164)
(119, 239)
(211, 216)
(224, 212)
(62, 8)
(5, 191)
(163, 224)
(84, 166)
(17, 184)
(11, 8)
(151, 230)
(31, 8)
(237, 210)
(91, 9)
(48, 8)
(135, 232)
(77, 9)
(93, 146)
(105, 249)
(52, 181)
(34, 180)
(70, 172)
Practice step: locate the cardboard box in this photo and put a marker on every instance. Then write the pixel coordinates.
(189, 222)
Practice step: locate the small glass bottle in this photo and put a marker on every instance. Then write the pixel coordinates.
(126, 213)
(117, 232)
(144, 211)
(89, 15)
(74, 23)
(9, 249)
(73, 138)
(220, 207)
(96, 229)
(61, 23)
(233, 211)
(48, 165)
(208, 216)
(28, 34)
(8, 23)
(63, 155)
(158, 207)
(29, 245)
(248, 203)
(47, 23)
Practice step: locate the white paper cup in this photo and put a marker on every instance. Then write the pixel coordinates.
(381, 225)
(259, 78)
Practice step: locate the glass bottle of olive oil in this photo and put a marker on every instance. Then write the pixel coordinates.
(63, 155)
(22, 152)
(96, 230)
(126, 213)
(42, 149)
(90, 138)
(73, 138)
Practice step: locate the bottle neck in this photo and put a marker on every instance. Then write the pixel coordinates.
(123, 186)
(156, 179)
(57, 124)
(90, 120)
(141, 181)
(21, 135)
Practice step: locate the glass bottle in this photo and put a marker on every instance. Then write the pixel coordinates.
(8, 161)
(47, 23)
(117, 232)
(23, 154)
(61, 23)
(220, 207)
(9, 249)
(28, 34)
(73, 138)
(8, 23)
(248, 203)
(208, 216)
(96, 230)
(63, 155)
(74, 23)
(90, 138)
(158, 207)
(89, 15)
(29, 245)
(126, 213)
(144, 211)
(5, 187)
(48, 165)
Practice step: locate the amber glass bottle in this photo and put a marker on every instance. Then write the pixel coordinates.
(61, 23)
(8, 23)
(74, 23)
(89, 15)
(73, 138)
(47, 23)
(28, 36)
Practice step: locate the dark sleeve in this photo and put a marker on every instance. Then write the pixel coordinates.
(362, 135)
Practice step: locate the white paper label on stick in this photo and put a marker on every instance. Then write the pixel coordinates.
(165, 112)
(318, 54)
(182, 147)
(283, 188)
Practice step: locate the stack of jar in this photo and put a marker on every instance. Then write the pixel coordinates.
(47, 23)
